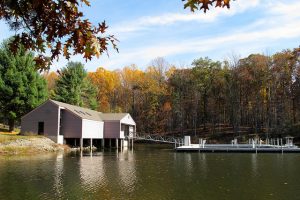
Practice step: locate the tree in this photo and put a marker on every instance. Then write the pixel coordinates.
(204, 4)
(57, 25)
(22, 88)
(107, 83)
(205, 70)
(51, 78)
(74, 87)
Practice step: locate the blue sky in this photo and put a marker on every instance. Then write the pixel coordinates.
(162, 28)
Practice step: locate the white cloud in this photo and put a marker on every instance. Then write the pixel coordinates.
(280, 23)
(146, 22)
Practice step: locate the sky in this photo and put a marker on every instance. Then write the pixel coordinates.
(147, 29)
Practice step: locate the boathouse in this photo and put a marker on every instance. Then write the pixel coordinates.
(64, 123)
(117, 127)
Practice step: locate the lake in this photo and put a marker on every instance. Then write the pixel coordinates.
(151, 172)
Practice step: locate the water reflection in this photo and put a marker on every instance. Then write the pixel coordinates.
(188, 164)
(92, 171)
(58, 175)
(127, 170)
(149, 173)
(106, 169)
(203, 164)
(254, 165)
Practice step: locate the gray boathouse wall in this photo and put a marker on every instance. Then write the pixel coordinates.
(71, 125)
(47, 113)
(112, 129)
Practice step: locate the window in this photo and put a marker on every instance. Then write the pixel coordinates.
(82, 112)
(88, 113)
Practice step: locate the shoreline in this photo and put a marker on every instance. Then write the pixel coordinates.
(28, 145)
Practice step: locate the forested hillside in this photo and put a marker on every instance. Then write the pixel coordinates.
(254, 95)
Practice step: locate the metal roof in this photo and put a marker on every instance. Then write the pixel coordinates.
(83, 113)
(86, 113)
(112, 116)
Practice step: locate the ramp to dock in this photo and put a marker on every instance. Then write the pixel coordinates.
(158, 138)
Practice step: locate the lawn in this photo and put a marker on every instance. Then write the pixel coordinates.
(4, 130)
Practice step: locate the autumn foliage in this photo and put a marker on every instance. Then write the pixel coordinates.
(257, 94)
(58, 26)
(205, 4)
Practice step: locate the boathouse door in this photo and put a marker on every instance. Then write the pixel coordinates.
(41, 128)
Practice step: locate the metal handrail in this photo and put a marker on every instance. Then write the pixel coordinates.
(156, 138)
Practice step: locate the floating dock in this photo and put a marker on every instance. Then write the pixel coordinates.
(241, 148)
(254, 146)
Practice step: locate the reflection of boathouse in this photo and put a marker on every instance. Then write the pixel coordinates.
(65, 123)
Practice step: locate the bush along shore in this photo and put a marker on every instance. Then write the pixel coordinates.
(18, 144)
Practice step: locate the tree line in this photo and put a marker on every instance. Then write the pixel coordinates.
(258, 94)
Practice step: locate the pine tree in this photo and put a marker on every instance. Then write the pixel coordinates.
(74, 87)
(22, 88)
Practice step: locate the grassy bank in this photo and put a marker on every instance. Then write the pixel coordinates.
(4, 137)
(12, 143)
(4, 130)
(17, 144)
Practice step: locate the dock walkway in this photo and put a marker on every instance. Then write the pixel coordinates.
(254, 146)
(241, 148)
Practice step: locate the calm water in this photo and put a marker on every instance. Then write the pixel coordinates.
(151, 172)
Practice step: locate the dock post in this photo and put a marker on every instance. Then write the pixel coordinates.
(281, 146)
(81, 143)
(117, 143)
(109, 143)
(91, 143)
(75, 142)
(103, 143)
(200, 143)
(260, 141)
(132, 143)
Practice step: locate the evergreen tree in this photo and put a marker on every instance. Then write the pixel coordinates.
(74, 87)
(21, 87)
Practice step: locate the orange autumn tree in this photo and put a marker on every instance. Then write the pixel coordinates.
(107, 84)
(51, 78)
(133, 84)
